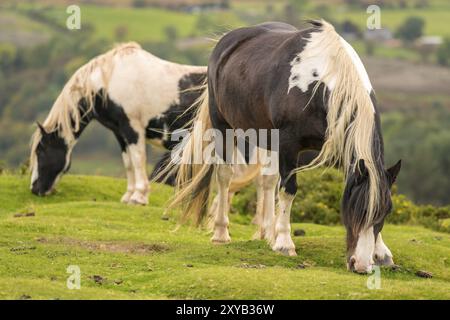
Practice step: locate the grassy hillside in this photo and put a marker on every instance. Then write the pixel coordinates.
(131, 252)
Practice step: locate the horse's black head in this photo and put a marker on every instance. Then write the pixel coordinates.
(360, 238)
(51, 160)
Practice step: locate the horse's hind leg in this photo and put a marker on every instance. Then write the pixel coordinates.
(224, 174)
(266, 197)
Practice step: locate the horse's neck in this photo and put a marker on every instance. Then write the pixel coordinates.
(86, 118)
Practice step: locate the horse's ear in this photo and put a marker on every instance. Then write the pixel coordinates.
(393, 171)
(41, 128)
(361, 171)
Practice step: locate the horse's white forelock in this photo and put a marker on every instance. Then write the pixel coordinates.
(351, 113)
(65, 116)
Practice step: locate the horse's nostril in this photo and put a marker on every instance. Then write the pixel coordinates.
(351, 264)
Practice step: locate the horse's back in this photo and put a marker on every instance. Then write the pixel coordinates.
(247, 66)
(145, 85)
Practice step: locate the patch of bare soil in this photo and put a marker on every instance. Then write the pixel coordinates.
(110, 246)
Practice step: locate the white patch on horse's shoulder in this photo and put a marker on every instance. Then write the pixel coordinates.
(311, 64)
(358, 65)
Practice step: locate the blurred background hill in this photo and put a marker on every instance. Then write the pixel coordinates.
(407, 60)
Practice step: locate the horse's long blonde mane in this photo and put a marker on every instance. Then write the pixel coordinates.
(65, 116)
(350, 116)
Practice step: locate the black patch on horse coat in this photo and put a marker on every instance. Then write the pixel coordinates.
(112, 115)
(178, 115)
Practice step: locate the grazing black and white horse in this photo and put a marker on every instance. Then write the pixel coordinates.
(312, 87)
(129, 91)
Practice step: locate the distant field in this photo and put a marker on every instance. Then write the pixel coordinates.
(143, 24)
(436, 18)
(149, 24)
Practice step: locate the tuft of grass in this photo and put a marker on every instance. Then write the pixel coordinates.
(131, 252)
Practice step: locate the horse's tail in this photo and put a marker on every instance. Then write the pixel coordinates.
(194, 173)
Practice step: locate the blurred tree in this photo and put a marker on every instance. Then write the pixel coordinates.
(323, 11)
(370, 47)
(422, 140)
(171, 33)
(294, 10)
(443, 53)
(348, 26)
(8, 54)
(139, 3)
(421, 4)
(411, 29)
(121, 33)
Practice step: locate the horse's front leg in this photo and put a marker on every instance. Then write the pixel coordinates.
(130, 176)
(139, 161)
(382, 255)
(129, 170)
(224, 174)
(282, 234)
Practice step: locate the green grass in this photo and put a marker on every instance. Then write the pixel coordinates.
(139, 256)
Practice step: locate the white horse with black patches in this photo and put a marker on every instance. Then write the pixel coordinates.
(138, 97)
(129, 91)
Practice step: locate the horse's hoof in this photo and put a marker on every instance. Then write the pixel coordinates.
(220, 235)
(287, 251)
(258, 236)
(221, 238)
(126, 198)
(284, 245)
(138, 199)
(220, 241)
(138, 202)
(384, 261)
